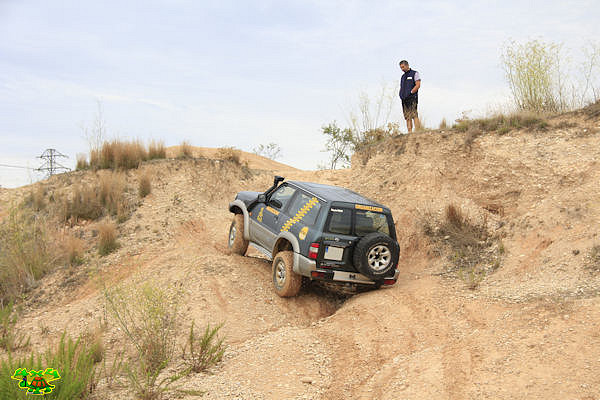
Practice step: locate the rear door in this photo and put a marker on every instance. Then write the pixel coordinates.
(300, 217)
(338, 239)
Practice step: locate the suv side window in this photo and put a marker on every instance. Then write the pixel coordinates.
(340, 221)
(283, 194)
(307, 207)
(369, 221)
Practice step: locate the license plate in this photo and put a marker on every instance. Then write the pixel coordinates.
(334, 253)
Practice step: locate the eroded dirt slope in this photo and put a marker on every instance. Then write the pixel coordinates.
(530, 330)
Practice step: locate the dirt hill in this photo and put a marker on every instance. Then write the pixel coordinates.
(525, 326)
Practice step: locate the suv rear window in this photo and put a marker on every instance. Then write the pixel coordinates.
(340, 221)
(370, 221)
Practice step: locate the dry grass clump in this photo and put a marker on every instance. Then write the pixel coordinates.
(82, 162)
(230, 154)
(145, 186)
(107, 238)
(72, 248)
(26, 255)
(156, 150)
(83, 203)
(112, 191)
(185, 150)
(36, 198)
(118, 154)
(473, 251)
(501, 123)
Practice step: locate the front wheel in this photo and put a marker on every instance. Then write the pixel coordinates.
(286, 282)
(236, 243)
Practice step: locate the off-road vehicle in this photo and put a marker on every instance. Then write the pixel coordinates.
(317, 232)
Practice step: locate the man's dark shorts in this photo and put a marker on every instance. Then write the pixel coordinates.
(409, 107)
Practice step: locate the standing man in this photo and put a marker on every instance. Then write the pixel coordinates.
(409, 94)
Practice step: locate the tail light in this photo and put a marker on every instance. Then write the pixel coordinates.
(313, 251)
(317, 274)
(389, 281)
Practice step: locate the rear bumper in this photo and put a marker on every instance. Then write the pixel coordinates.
(351, 277)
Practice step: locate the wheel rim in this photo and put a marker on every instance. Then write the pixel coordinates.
(280, 274)
(232, 232)
(379, 257)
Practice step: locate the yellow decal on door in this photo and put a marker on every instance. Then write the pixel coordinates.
(272, 210)
(303, 232)
(300, 214)
(260, 215)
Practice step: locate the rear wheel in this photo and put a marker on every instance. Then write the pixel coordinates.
(375, 255)
(286, 282)
(236, 243)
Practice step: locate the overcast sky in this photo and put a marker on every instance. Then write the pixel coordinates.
(242, 73)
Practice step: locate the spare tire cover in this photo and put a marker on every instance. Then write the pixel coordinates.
(375, 255)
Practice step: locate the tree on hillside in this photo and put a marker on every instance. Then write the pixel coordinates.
(272, 151)
(339, 143)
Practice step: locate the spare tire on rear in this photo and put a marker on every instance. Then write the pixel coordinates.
(375, 255)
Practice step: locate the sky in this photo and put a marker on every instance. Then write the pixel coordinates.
(245, 73)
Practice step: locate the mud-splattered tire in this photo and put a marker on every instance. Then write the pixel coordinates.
(236, 242)
(286, 282)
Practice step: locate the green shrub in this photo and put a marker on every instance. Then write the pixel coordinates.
(10, 339)
(71, 358)
(202, 352)
(147, 315)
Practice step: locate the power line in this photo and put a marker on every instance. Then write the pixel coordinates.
(14, 166)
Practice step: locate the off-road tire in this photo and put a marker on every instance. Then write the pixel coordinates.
(236, 242)
(286, 282)
(375, 255)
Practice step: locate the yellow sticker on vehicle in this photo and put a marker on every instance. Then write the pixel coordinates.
(260, 215)
(272, 210)
(300, 214)
(368, 208)
(303, 233)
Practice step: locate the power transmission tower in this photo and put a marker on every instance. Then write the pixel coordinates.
(51, 165)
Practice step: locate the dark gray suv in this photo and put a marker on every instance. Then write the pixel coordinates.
(318, 232)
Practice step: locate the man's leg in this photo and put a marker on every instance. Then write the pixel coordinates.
(417, 123)
(409, 125)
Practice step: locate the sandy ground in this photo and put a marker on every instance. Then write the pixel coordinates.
(530, 331)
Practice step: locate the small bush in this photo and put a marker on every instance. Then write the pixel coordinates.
(82, 162)
(112, 189)
(10, 339)
(84, 203)
(147, 315)
(36, 198)
(473, 251)
(145, 187)
(107, 238)
(72, 248)
(93, 341)
(501, 123)
(71, 358)
(27, 253)
(156, 150)
(202, 352)
(185, 150)
(230, 154)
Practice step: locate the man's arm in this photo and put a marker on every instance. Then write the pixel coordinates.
(417, 86)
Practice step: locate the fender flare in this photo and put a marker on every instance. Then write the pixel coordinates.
(295, 246)
(242, 206)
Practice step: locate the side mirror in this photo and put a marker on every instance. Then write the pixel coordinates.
(262, 198)
(275, 203)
